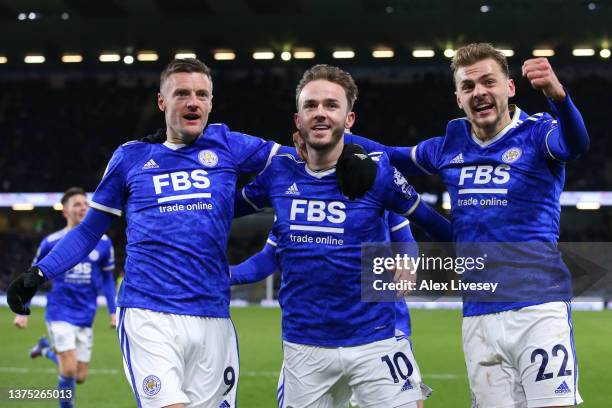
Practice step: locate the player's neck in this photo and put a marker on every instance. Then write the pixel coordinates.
(179, 139)
(488, 133)
(321, 159)
(70, 225)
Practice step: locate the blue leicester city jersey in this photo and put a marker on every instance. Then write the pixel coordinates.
(397, 230)
(74, 293)
(179, 204)
(504, 190)
(319, 235)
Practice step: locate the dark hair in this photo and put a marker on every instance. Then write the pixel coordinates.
(472, 53)
(72, 191)
(184, 65)
(331, 74)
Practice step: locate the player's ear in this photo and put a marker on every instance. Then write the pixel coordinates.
(350, 120)
(458, 100)
(511, 88)
(161, 103)
(297, 120)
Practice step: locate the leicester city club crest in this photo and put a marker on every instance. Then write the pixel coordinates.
(151, 385)
(208, 158)
(512, 155)
(94, 255)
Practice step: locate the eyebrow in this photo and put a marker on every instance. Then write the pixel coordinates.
(477, 79)
(327, 100)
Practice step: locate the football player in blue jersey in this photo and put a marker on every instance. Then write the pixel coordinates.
(178, 342)
(334, 344)
(505, 170)
(264, 263)
(71, 303)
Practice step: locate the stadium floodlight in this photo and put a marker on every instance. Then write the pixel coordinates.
(583, 52)
(588, 205)
(34, 59)
(423, 53)
(285, 55)
(72, 58)
(543, 52)
(343, 54)
(605, 53)
(58, 207)
(22, 16)
(263, 55)
(449, 53)
(65, 16)
(224, 55)
(507, 52)
(23, 207)
(147, 56)
(128, 59)
(303, 53)
(109, 57)
(383, 52)
(184, 54)
(3, 59)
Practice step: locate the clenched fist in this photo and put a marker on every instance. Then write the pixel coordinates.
(541, 75)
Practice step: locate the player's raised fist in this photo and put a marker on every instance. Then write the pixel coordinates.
(542, 77)
(23, 289)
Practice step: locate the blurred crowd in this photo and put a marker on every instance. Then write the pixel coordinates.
(59, 130)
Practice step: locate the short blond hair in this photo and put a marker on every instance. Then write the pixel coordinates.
(472, 53)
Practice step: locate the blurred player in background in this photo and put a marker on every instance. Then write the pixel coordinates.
(71, 303)
(519, 348)
(333, 343)
(264, 263)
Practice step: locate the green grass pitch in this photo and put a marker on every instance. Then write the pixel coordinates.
(436, 342)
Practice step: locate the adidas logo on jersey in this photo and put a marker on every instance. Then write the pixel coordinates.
(225, 404)
(407, 386)
(293, 190)
(563, 388)
(458, 159)
(150, 165)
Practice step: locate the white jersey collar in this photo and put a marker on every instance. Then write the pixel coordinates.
(321, 173)
(174, 146)
(502, 133)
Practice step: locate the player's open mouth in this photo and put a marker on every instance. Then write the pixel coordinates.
(321, 127)
(191, 117)
(484, 108)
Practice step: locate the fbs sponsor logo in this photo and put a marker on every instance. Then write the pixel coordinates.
(151, 385)
(457, 159)
(293, 190)
(150, 165)
(563, 388)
